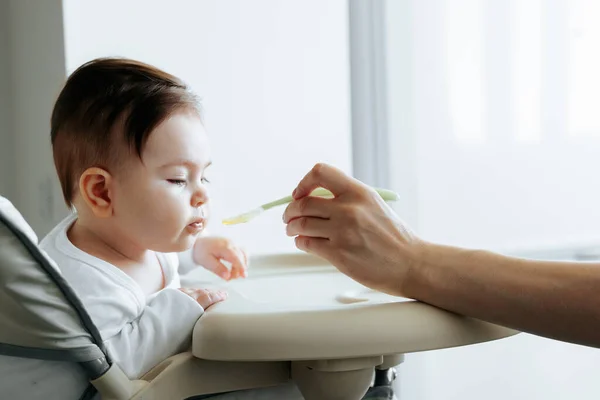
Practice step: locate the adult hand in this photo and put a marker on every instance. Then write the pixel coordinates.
(359, 234)
(356, 231)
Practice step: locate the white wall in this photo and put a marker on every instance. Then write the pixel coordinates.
(37, 71)
(273, 75)
(523, 367)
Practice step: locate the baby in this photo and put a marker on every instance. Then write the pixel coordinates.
(132, 154)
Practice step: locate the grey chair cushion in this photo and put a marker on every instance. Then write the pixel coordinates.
(40, 316)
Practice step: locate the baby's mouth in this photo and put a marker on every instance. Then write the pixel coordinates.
(196, 226)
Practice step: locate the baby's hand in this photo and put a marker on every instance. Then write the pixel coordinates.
(205, 297)
(209, 251)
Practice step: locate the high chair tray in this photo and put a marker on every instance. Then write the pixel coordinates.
(299, 307)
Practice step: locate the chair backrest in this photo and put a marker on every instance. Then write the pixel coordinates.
(40, 315)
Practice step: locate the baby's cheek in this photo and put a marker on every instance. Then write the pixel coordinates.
(174, 214)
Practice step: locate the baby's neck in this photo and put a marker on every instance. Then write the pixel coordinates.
(106, 243)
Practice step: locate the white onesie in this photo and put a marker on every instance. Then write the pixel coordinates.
(138, 332)
(131, 325)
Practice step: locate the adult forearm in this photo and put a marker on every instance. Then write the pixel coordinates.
(560, 300)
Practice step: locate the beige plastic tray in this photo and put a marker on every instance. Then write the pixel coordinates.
(296, 319)
(298, 307)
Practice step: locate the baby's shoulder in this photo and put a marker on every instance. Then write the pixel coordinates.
(79, 268)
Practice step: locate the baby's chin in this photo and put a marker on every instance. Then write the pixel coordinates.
(182, 244)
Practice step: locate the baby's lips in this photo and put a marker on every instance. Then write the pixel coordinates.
(196, 226)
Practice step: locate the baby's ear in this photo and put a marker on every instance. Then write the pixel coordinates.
(95, 188)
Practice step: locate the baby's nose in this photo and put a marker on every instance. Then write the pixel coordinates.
(200, 197)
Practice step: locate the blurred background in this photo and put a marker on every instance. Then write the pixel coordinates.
(483, 114)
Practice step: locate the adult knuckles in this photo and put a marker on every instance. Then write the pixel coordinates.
(352, 214)
(303, 205)
(317, 170)
(303, 243)
(303, 223)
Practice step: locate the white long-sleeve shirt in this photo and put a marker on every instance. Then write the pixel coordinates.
(138, 332)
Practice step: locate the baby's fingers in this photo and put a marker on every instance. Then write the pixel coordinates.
(208, 297)
(216, 266)
(237, 259)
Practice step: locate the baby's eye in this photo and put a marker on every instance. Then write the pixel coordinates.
(178, 182)
(204, 180)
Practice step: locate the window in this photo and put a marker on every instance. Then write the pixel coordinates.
(274, 78)
(494, 120)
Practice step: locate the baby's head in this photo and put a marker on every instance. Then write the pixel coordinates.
(131, 153)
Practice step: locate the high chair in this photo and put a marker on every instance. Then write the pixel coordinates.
(294, 319)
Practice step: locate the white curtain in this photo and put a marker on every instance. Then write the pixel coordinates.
(500, 100)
